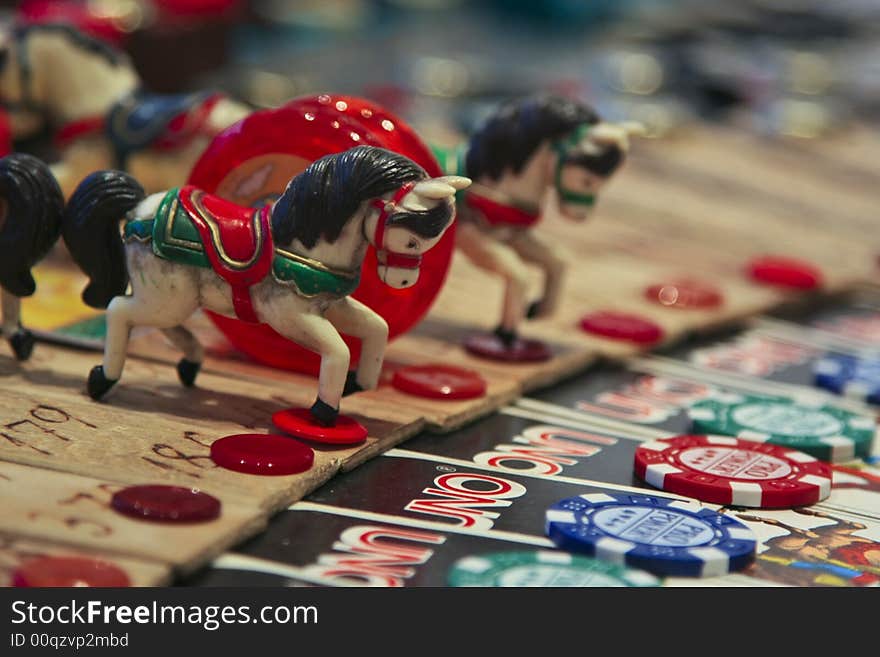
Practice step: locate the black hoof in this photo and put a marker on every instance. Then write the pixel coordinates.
(324, 414)
(22, 343)
(533, 310)
(351, 384)
(506, 336)
(187, 371)
(98, 383)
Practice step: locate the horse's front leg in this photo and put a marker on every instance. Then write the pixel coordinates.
(534, 250)
(20, 339)
(493, 255)
(308, 329)
(354, 318)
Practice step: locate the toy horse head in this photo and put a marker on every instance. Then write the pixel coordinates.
(548, 141)
(368, 195)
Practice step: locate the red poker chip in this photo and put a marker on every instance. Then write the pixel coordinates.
(622, 326)
(161, 503)
(45, 572)
(685, 295)
(725, 470)
(299, 422)
(489, 345)
(439, 382)
(785, 272)
(262, 454)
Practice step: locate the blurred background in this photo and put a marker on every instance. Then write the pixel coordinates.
(793, 68)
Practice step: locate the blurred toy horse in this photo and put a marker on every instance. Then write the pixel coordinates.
(88, 95)
(291, 265)
(536, 154)
(31, 207)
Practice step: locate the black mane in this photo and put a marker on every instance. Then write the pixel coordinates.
(515, 132)
(75, 36)
(320, 200)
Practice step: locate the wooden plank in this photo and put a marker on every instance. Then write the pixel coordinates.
(15, 551)
(73, 510)
(152, 430)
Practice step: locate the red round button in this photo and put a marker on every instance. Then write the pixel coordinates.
(69, 571)
(162, 503)
(785, 272)
(685, 295)
(622, 326)
(300, 423)
(489, 345)
(439, 382)
(262, 454)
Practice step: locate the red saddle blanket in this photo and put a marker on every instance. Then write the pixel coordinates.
(498, 214)
(237, 241)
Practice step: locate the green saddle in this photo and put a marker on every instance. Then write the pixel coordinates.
(173, 237)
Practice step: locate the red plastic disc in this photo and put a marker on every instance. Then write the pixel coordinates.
(622, 326)
(262, 454)
(489, 345)
(726, 470)
(785, 272)
(69, 571)
(162, 503)
(685, 295)
(251, 162)
(439, 382)
(300, 423)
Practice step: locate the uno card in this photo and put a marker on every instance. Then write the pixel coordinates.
(451, 493)
(543, 449)
(352, 550)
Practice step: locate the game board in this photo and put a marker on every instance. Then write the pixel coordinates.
(693, 210)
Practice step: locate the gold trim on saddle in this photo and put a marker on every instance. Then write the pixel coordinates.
(169, 228)
(196, 198)
(315, 264)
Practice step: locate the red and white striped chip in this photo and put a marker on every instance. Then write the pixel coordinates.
(725, 470)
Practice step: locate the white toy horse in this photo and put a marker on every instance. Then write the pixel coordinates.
(88, 95)
(291, 265)
(532, 155)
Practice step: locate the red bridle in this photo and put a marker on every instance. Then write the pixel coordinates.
(386, 210)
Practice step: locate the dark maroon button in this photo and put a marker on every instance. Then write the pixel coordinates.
(785, 272)
(262, 454)
(489, 345)
(439, 382)
(622, 326)
(69, 571)
(685, 295)
(300, 423)
(162, 503)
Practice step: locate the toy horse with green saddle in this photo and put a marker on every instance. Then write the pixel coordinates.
(292, 265)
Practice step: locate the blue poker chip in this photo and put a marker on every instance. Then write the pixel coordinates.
(660, 535)
(849, 376)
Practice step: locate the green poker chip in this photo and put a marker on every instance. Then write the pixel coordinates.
(823, 431)
(544, 568)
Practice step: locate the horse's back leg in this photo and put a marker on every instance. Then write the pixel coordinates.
(193, 353)
(20, 339)
(163, 296)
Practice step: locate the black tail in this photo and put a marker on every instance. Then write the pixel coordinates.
(91, 232)
(31, 205)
